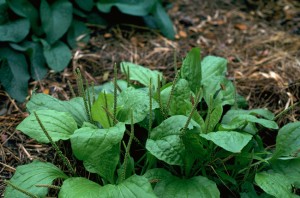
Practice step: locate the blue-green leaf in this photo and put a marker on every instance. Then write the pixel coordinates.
(275, 184)
(4, 16)
(34, 51)
(287, 141)
(163, 21)
(25, 9)
(132, 7)
(57, 55)
(56, 19)
(77, 33)
(231, 141)
(86, 5)
(165, 140)
(59, 125)
(14, 73)
(14, 31)
(75, 106)
(191, 69)
(28, 176)
(135, 101)
(194, 187)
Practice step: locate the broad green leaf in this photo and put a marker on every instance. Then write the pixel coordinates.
(14, 73)
(191, 69)
(174, 187)
(141, 74)
(95, 146)
(231, 141)
(163, 21)
(34, 51)
(79, 187)
(25, 9)
(288, 168)
(165, 140)
(241, 120)
(99, 114)
(59, 125)
(255, 112)
(14, 31)
(87, 141)
(28, 176)
(133, 7)
(213, 118)
(157, 174)
(181, 101)
(86, 5)
(135, 101)
(195, 149)
(287, 141)
(221, 90)
(274, 184)
(57, 55)
(246, 120)
(75, 106)
(109, 87)
(212, 67)
(130, 170)
(248, 191)
(56, 19)
(104, 163)
(134, 186)
(78, 32)
(215, 83)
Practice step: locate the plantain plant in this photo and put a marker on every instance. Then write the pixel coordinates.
(143, 137)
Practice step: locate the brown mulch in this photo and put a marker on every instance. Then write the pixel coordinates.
(260, 40)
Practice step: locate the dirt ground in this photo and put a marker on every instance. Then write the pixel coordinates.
(259, 38)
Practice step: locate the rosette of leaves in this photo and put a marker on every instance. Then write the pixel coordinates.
(145, 138)
(38, 35)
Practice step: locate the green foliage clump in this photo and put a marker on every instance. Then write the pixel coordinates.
(186, 138)
(38, 35)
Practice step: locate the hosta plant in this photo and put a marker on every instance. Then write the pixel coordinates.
(38, 35)
(143, 137)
